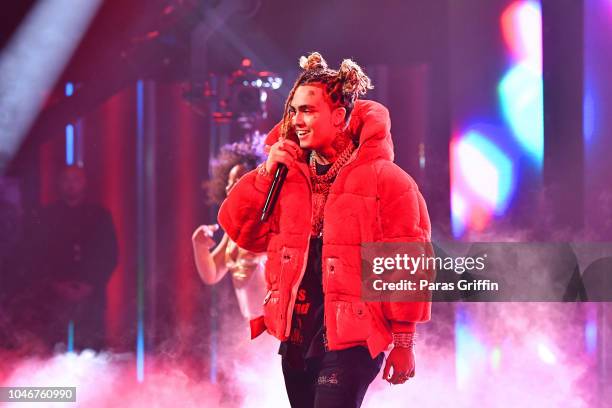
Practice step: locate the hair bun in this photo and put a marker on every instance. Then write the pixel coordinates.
(314, 61)
(355, 81)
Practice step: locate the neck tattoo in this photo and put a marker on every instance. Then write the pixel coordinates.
(331, 153)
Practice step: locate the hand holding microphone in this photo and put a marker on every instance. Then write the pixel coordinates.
(281, 156)
(283, 152)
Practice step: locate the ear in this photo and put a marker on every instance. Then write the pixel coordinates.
(338, 116)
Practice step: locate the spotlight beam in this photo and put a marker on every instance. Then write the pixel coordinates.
(34, 59)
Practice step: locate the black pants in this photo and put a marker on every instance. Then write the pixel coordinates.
(338, 379)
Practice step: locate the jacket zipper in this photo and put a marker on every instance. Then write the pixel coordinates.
(324, 270)
(295, 287)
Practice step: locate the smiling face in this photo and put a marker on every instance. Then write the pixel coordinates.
(315, 123)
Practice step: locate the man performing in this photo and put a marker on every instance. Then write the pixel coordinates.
(342, 189)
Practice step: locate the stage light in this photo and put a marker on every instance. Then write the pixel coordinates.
(496, 358)
(470, 352)
(140, 305)
(422, 159)
(508, 24)
(458, 214)
(140, 353)
(546, 354)
(590, 336)
(70, 340)
(590, 330)
(276, 83)
(521, 96)
(521, 24)
(69, 89)
(521, 89)
(486, 170)
(482, 181)
(589, 112)
(69, 145)
(483, 169)
(33, 60)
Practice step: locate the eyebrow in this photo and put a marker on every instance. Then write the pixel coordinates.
(302, 107)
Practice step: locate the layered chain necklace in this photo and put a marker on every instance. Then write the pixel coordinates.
(321, 185)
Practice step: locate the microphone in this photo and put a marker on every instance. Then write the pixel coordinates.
(277, 183)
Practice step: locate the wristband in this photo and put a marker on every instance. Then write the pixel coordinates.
(403, 340)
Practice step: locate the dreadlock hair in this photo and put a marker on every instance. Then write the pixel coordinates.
(343, 87)
(248, 153)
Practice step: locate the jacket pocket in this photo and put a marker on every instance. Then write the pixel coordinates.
(271, 307)
(272, 270)
(288, 267)
(338, 279)
(331, 269)
(353, 321)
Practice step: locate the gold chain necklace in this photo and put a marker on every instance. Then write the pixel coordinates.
(334, 169)
(321, 185)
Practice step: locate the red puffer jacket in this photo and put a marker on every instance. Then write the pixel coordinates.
(371, 200)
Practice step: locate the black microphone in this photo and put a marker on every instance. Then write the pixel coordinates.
(277, 183)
